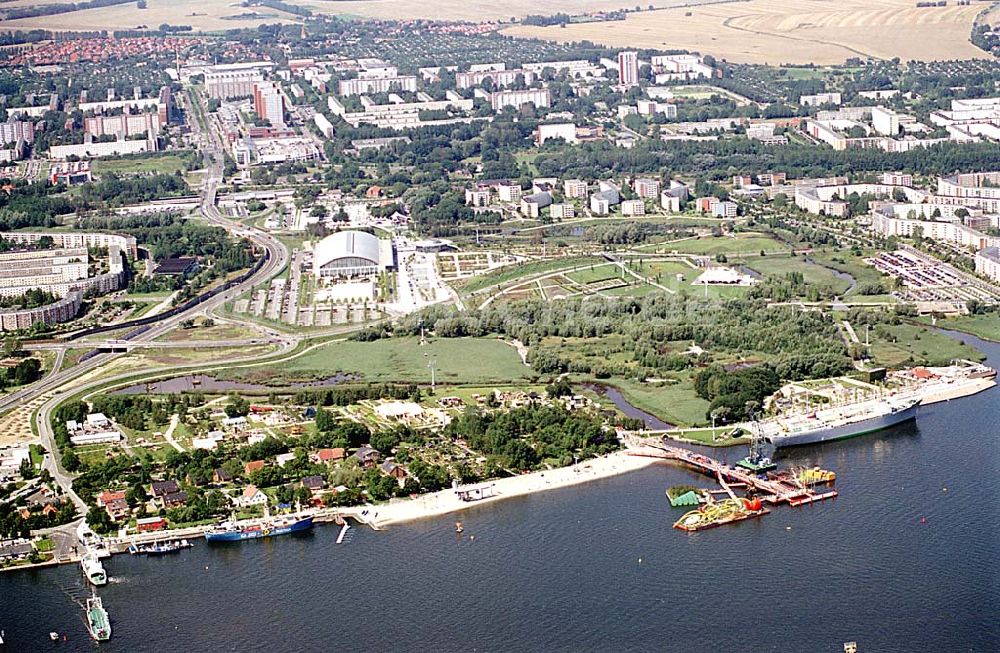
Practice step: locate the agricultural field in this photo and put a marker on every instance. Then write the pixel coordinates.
(202, 15)
(774, 32)
(472, 11)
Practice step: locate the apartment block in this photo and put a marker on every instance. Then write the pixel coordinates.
(575, 188)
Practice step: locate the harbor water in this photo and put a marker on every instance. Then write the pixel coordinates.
(906, 559)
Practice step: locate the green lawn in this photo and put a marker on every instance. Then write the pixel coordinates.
(457, 360)
(595, 274)
(676, 403)
(844, 261)
(986, 327)
(160, 163)
(665, 273)
(813, 273)
(904, 344)
(743, 245)
(513, 272)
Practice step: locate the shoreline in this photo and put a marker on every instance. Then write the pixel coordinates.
(447, 501)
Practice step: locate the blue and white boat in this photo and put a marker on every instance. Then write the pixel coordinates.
(252, 529)
(841, 423)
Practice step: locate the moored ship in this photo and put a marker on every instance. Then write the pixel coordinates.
(841, 423)
(252, 529)
(159, 548)
(98, 622)
(93, 569)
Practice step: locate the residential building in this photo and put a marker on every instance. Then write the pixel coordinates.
(364, 85)
(251, 496)
(896, 179)
(477, 197)
(646, 188)
(499, 78)
(269, 103)
(160, 489)
(509, 192)
(820, 99)
(670, 203)
(562, 211)
(652, 107)
(988, 263)
(725, 209)
(633, 208)
(670, 67)
(325, 126)
(14, 130)
(628, 68)
(329, 456)
(124, 125)
(540, 97)
(885, 121)
(228, 81)
(531, 205)
(95, 150)
(575, 188)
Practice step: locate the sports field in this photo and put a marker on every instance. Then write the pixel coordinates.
(775, 31)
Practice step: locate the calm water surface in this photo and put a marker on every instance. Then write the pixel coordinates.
(561, 571)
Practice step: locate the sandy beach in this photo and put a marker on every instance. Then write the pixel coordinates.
(446, 501)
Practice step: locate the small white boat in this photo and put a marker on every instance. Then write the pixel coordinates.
(54, 636)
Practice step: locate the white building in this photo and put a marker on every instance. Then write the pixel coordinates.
(670, 203)
(563, 130)
(350, 254)
(562, 211)
(540, 97)
(363, 85)
(95, 150)
(725, 209)
(325, 126)
(646, 188)
(575, 188)
(885, 121)
(477, 197)
(988, 263)
(509, 192)
(633, 208)
(628, 68)
(820, 99)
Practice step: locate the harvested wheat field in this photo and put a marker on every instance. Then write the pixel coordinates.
(202, 15)
(475, 10)
(777, 31)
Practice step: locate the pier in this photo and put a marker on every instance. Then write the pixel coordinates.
(774, 489)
